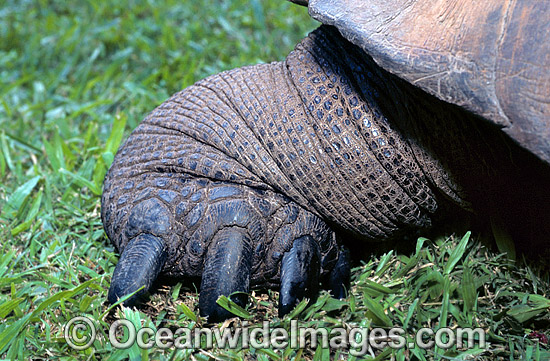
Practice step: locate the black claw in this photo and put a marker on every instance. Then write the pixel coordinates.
(339, 278)
(300, 269)
(226, 271)
(139, 265)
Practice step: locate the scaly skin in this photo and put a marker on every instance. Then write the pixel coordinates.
(245, 163)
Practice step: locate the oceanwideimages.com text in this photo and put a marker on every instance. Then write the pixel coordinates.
(80, 333)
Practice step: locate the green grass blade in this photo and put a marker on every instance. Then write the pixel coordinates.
(10, 333)
(468, 289)
(116, 134)
(187, 312)
(297, 310)
(503, 239)
(6, 152)
(82, 182)
(18, 197)
(376, 310)
(233, 307)
(9, 306)
(457, 253)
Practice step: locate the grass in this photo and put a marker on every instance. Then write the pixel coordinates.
(75, 79)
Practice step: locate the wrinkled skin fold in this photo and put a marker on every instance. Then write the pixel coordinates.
(250, 178)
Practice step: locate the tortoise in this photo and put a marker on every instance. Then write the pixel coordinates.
(386, 120)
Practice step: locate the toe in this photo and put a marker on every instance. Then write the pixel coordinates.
(226, 271)
(300, 268)
(339, 277)
(139, 265)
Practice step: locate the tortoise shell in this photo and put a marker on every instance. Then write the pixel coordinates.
(490, 57)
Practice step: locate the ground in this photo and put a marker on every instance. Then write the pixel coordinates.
(75, 79)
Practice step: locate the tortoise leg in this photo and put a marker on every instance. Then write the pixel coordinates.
(300, 268)
(226, 271)
(139, 265)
